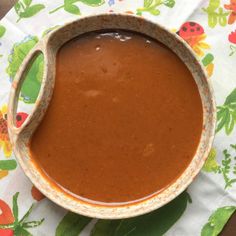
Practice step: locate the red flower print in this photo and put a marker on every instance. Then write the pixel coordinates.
(6, 232)
(10, 224)
(6, 217)
(232, 37)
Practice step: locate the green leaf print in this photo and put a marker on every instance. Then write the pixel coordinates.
(147, 3)
(27, 214)
(73, 9)
(68, 2)
(211, 164)
(208, 59)
(27, 2)
(215, 17)
(20, 231)
(2, 31)
(93, 3)
(8, 164)
(231, 98)
(19, 226)
(70, 7)
(232, 50)
(25, 9)
(155, 223)
(217, 221)
(155, 12)
(227, 168)
(32, 224)
(31, 11)
(226, 114)
(169, 3)
(15, 207)
(72, 224)
(106, 227)
(49, 30)
(17, 7)
(31, 86)
(19, 52)
(32, 83)
(151, 6)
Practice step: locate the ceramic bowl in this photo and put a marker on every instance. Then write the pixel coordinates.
(49, 46)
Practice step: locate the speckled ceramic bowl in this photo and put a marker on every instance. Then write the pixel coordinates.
(20, 136)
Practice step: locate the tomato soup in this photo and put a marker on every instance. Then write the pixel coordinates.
(125, 119)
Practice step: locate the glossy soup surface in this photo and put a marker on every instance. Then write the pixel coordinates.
(125, 119)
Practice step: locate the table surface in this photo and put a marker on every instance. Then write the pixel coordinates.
(230, 228)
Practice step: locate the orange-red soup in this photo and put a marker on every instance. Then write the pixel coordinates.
(125, 119)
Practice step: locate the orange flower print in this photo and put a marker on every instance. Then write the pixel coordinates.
(3, 173)
(129, 12)
(5, 144)
(198, 45)
(232, 7)
(36, 194)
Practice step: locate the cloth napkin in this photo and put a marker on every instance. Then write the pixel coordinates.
(204, 208)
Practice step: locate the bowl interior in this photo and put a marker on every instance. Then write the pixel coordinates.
(49, 46)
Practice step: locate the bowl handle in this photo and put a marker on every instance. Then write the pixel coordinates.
(44, 95)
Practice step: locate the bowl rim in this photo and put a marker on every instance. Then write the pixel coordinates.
(107, 211)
